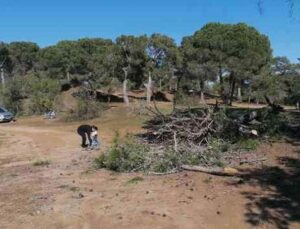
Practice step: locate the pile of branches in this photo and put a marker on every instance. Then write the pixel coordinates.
(192, 127)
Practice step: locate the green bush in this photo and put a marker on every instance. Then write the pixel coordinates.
(12, 94)
(42, 163)
(41, 93)
(124, 156)
(247, 144)
(86, 109)
(129, 155)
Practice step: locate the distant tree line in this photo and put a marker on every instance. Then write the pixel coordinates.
(233, 61)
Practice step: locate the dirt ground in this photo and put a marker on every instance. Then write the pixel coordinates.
(68, 193)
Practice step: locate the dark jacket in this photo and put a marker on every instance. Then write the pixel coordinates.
(84, 129)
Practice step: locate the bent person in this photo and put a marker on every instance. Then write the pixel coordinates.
(85, 132)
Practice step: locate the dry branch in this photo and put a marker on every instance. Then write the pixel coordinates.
(253, 160)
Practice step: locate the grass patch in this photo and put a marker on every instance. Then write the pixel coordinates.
(42, 163)
(135, 180)
(75, 189)
(248, 144)
(208, 180)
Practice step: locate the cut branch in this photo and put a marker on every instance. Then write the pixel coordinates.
(214, 171)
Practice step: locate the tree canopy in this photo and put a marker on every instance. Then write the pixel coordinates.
(218, 58)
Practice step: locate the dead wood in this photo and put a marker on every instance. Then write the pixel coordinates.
(227, 171)
(253, 160)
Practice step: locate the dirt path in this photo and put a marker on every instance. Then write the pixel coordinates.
(68, 194)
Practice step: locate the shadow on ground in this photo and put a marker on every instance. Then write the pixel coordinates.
(279, 201)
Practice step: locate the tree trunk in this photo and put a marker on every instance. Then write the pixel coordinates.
(160, 85)
(68, 76)
(202, 99)
(175, 142)
(221, 82)
(240, 94)
(125, 95)
(199, 85)
(176, 93)
(149, 90)
(2, 78)
(232, 88)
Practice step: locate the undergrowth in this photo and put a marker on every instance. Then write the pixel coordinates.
(132, 154)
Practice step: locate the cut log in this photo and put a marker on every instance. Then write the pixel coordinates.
(227, 171)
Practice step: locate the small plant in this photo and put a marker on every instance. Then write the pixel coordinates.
(248, 144)
(208, 180)
(135, 180)
(86, 109)
(124, 156)
(42, 163)
(74, 189)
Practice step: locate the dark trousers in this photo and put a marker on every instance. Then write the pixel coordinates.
(83, 137)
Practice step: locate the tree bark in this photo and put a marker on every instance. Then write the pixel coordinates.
(68, 75)
(149, 90)
(202, 98)
(125, 94)
(240, 94)
(160, 85)
(175, 142)
(232, 88)
(2, 78)
(221, 83)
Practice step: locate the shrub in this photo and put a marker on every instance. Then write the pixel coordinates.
(86, 109)
(11, 96)
(129, 155)
(41, 93)
(247, 144)
(124, 156)
(135, 180)
(41, 163)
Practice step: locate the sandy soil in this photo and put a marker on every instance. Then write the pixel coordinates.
(67, 193)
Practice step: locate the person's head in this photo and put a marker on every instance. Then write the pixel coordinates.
(94, 128)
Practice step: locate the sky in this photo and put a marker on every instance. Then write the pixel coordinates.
(48, 21)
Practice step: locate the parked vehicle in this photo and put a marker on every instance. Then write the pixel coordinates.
(5, 116)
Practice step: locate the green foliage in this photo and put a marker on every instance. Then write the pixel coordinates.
(24, 57)
(274, 124)
(129, 155)
(41, 92)
(42, 163)
(135, 180)
(247, 144)
(86, 109)
(124, 156)
(12, 94)
(237, 49)
(230, 55)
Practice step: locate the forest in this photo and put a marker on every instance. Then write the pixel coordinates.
(230, 61)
